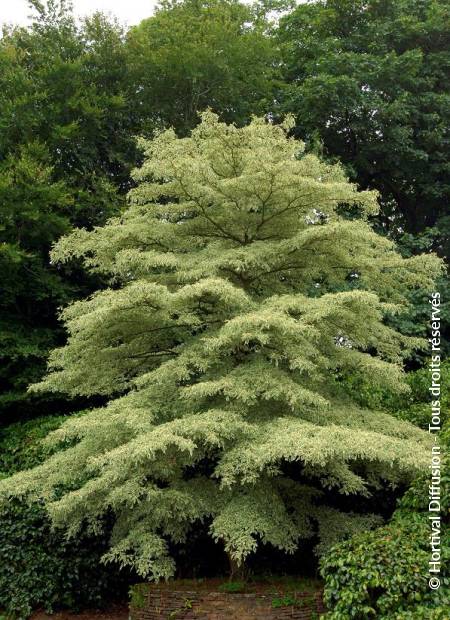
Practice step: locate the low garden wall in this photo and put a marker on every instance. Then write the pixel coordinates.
(150, 602)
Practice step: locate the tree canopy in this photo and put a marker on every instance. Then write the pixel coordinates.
(196, 54)
(243, 292)
(66, 150)
(369, 80)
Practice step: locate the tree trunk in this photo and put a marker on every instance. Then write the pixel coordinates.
(238, 571)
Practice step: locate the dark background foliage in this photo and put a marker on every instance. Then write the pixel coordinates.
(40, 567)
(369, 80)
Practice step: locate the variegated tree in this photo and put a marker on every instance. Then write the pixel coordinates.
(246, 287)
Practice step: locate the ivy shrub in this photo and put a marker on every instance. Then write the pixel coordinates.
(39, 567)
(20, 444)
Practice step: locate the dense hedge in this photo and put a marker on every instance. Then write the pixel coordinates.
(39, 567)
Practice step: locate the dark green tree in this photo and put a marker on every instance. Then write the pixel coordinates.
(202, 53)
(368, 80)
(66, 148)
(67, 85)
(33, 213)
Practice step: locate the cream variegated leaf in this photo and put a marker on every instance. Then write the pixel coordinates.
(241, 300)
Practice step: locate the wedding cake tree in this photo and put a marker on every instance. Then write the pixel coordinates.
(246, 288)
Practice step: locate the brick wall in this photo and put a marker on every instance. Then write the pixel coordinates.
(153, 603)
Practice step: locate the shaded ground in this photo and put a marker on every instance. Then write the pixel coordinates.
(116, 612)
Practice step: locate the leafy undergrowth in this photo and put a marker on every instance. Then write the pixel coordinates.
(40, 567)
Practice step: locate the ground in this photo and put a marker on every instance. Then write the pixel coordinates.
(117, 612)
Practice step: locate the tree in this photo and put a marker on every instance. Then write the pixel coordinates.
(224, 349)
(196, 54)
(84, 90)
(66, 84)
(368, 80)
(34, 212)
(66, 149)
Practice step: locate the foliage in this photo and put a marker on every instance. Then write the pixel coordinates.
(412, 406)
(383, 573)
(41, 568)
(34, 213)
(38, 566)
(218, 346)
(65, 84)
(73, 96)
(291, 600)
(66, 147)
(367, 79)
(285, 601)
(416, 409)
(249, 343)
(199, 53)
(377, 573)
(415, 320)
(21, 445)
(366, 83)
(232, 586)
(138, 595)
